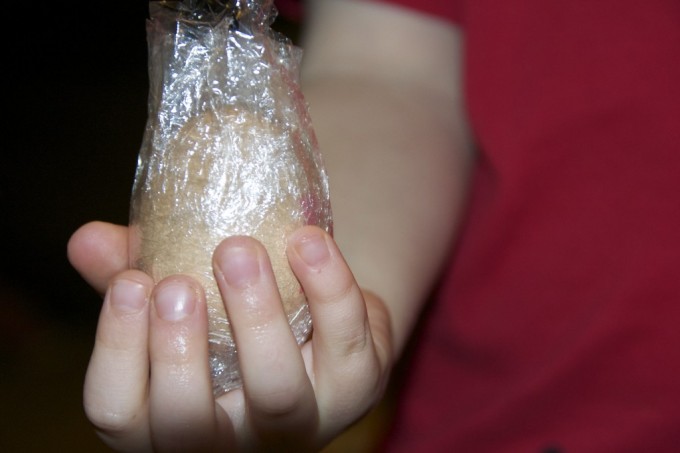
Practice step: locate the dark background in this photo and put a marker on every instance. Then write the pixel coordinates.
(75, 107)
(75, 98)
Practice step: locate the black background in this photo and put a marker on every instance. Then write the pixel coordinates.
(74, 98)
(77, 108)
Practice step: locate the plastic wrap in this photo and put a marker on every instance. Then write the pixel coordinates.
(228, 150)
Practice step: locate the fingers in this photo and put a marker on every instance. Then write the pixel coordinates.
(182, 409)
(98, 251)
(349, 372)
(148, 383)
(280, 401)
(117, 376)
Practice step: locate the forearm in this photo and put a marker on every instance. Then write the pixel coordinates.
(396, 190)
(398, 160)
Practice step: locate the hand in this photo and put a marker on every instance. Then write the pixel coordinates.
(148, 382)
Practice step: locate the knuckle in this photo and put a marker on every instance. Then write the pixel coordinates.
(353, 341)
(114, 423)
(278, 403)
(338, 293)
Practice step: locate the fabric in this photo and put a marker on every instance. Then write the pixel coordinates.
(446, 9)
(291, 10)
(557, 326)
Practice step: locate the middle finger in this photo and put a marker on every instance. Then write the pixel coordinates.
(280, 400)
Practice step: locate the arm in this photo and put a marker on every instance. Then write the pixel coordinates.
(386, 110)
(385, 97)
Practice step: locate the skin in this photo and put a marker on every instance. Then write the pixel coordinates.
(389, 122)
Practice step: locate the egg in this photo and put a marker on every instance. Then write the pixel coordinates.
(228, 171)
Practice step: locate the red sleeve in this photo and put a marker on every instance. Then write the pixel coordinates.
(290, 9)
(446, 9)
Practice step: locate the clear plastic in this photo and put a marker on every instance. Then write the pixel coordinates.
(228, 149)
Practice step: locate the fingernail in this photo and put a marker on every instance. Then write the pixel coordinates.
(313, 249)
(174, 301)
(127, 296)
(240, 266)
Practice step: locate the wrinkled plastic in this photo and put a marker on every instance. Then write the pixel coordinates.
(228, 150)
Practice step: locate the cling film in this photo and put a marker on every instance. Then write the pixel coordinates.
(228, 149)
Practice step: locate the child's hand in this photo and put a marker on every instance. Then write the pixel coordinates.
(148, 383)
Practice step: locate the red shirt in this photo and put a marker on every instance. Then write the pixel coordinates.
(557, 326)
